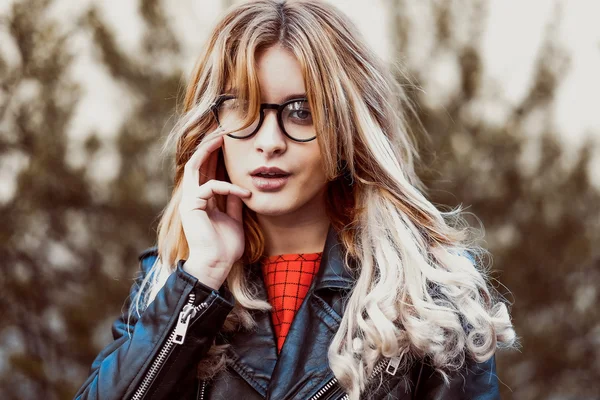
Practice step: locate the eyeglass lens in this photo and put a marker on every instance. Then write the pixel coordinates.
(296, 118)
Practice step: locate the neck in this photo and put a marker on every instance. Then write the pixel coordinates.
(303, 231)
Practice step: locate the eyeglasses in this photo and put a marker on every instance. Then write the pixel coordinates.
(294, 118)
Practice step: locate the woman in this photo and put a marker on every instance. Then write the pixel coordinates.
(297, 258)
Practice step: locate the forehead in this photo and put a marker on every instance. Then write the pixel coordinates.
(279, 74)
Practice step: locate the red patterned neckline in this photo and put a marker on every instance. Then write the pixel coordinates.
(292, 257)
(287, 279)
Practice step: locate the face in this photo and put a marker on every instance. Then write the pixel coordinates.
(302, 187)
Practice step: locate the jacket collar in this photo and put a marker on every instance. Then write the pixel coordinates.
(332, 272)
(254, 353)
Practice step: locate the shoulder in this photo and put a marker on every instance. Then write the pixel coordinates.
(147, 258)
(474, 380)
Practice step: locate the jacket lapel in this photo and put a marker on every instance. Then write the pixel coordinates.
(302, 366)
(332, 273)
(254, 353)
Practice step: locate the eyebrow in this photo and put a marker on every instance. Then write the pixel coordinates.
(234, 92)
(294, 96)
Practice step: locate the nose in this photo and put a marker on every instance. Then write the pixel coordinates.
(269, 139)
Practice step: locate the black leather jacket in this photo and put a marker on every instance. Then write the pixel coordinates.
(158, 360)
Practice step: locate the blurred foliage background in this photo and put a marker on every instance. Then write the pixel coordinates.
(84, 108)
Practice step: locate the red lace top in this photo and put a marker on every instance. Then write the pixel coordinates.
(287, 280)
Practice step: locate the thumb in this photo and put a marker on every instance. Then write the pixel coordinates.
(234, 207)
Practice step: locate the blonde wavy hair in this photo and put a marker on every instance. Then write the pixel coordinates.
(422, 288)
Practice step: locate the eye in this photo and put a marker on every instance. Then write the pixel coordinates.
(302, 114)
(298, 112)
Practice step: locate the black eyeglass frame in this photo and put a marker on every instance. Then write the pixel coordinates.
(264, 106)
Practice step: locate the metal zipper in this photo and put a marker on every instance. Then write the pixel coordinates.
(177, 336)
(392, 368)
(201, 391)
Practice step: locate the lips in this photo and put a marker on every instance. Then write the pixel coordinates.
(269, 172)
(269, 179)
(271, 175)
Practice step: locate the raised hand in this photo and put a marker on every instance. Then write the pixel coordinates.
(215, 238)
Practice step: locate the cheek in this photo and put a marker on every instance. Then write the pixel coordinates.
(314, 172)
(316, 161)
(233, 158)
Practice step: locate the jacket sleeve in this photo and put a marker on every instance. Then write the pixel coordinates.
(139, 343)
(477, 381)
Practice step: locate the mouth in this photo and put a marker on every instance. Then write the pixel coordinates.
(269, 172)
(269, 178)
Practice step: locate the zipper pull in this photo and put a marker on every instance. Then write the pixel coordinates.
(392, 367)
(189, 312)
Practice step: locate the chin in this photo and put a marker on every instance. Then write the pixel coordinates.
(269, 206)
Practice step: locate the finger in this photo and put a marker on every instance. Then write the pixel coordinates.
(212, 203)
(190, 204)
(234, 207)
(196, 204)
(214, 187)
(208, 169)
(200, 158)
(192, 167)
